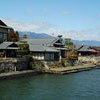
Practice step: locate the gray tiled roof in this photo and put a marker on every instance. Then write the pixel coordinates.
(42, 45)
(4, 45)
(77, 46)
(95, 48)
(7, 27)
(46, 42)
(40, 48)
(85, 48)
(3, 25)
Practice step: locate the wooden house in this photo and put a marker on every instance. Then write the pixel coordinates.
(7, 33)
(46, 49)
(8, 49)
(86, 50)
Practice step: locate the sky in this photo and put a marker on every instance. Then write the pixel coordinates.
(75, 19)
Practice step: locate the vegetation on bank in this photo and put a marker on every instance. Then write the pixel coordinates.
(23, 49)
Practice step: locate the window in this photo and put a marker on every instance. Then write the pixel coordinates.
(4, 37)
(0, 37)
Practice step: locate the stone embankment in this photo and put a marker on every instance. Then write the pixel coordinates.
(17, 74)
(12, 68)
(73, 69)
(13, 64)
(89, 59)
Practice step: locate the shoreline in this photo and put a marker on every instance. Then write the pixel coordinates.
(59, 71)
(73, 69)
(18, 74)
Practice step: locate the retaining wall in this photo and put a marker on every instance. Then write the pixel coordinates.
(13, 64)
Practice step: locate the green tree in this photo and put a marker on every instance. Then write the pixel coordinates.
(59, 36)
(23, 48)
(72, 53)
(69, 44)
(25, 36)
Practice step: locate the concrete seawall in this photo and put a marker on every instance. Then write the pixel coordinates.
(75, 69)
(61, 71)
(17, 74)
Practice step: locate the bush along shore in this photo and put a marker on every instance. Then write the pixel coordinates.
(25, 66)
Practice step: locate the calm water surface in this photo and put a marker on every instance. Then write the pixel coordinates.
(78, 86)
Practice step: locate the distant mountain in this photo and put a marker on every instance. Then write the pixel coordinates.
(35, 35)
(87, 42)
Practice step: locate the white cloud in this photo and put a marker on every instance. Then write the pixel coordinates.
(22, 26)
(65, 13)
(43, 27)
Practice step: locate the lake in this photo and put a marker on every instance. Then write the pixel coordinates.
(76, 86)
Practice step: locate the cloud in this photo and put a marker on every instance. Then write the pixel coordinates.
(32, 27)
(88, 34)
(81, 31)
(65, 13)
(39, 27)
(44, 27)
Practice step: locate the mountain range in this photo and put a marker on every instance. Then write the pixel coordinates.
(34, 35)
(87, 42)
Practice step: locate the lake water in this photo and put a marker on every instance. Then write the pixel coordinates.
(77, 86)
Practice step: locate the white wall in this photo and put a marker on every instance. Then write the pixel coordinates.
(43, 56)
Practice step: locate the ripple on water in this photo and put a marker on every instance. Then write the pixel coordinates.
(78, 86)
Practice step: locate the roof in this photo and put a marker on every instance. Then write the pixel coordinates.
(46, 42)
(77, 46)
(85, 48)
(42, 45)
(5, 45)
(3, 25)
(95, 48)
(40, 48)
(61, 48)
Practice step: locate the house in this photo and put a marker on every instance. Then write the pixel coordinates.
(7, 33)
(8, 49)
(96, 49)
(85, 50)
(4, 30)
(44, 53)
(46, 49)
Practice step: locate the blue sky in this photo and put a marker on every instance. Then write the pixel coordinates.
(76, 19)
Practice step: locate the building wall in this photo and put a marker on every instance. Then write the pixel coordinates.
(47, 56)
(38, 56)
(3, 34)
